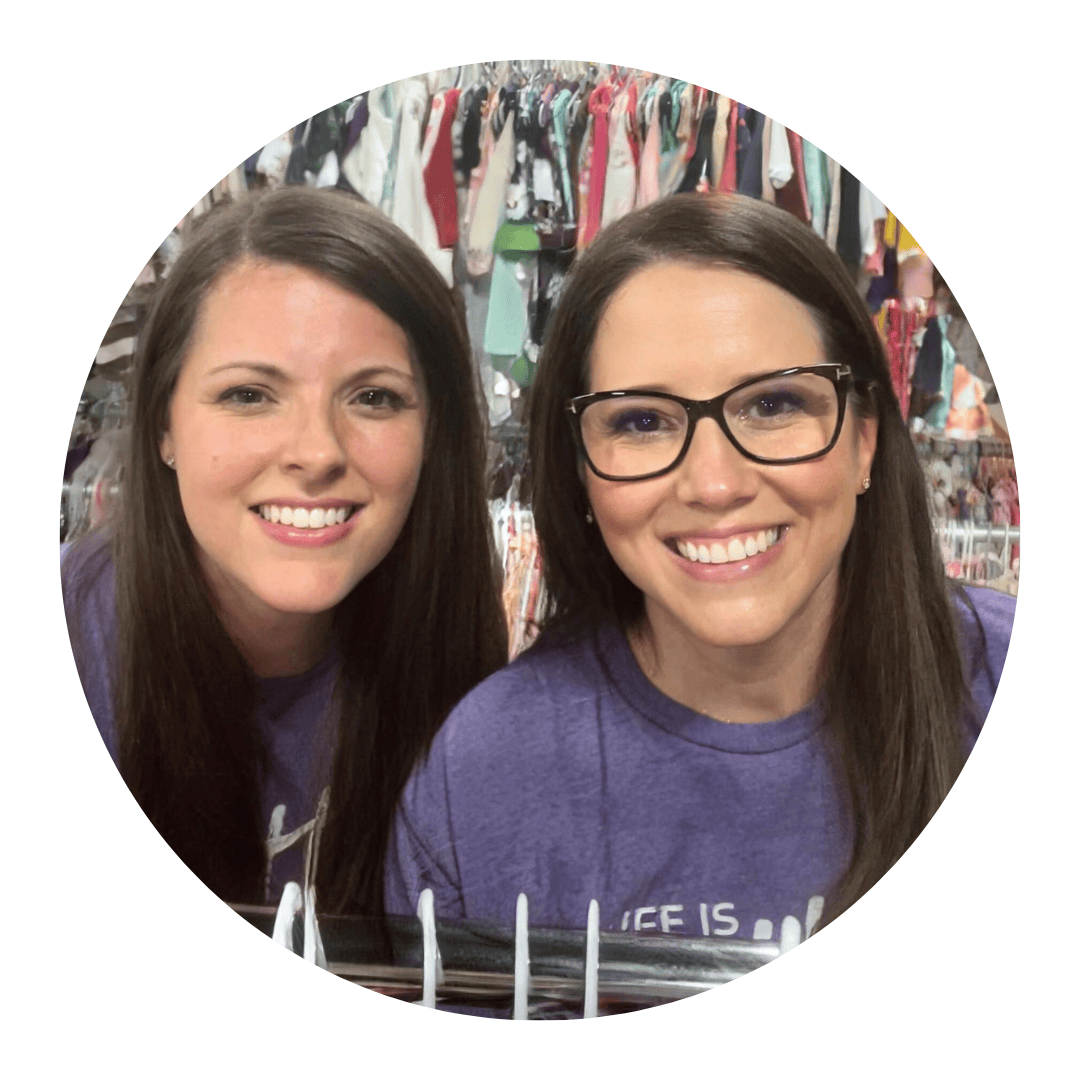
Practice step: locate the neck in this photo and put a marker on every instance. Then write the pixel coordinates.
(287, 645)
(739, 684)
(273, 643)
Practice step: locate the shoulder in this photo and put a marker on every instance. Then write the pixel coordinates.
(986, 622)
(87, 574)
(88, 581)
(985, 618)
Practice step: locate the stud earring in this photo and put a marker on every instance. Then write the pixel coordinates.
(589, 519)
(866, 483)
(171, 462)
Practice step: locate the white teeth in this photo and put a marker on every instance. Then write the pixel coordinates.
(300, 517)
(734, 551)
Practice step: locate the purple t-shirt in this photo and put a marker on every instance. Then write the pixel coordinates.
(290, 712)
(553, 779)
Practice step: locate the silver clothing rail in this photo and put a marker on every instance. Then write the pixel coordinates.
(479, 964)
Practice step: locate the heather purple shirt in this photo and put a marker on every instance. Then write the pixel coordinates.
(552, 779)
(290, 711)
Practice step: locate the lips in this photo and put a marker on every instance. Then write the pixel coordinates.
(315, 525)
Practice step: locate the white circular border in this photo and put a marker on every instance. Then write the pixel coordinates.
(123, 119)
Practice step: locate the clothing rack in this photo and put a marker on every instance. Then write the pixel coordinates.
(480, 965)
(954, 529)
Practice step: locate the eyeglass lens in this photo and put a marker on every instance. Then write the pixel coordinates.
(776, 419)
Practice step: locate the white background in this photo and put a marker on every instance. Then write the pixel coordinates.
(117, 117)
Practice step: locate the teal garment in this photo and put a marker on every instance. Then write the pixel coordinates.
(507, 317)
(669, 141)
(558, 129)
(816, 167)
(939, 412)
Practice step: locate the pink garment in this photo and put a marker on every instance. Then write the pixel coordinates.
(583, 182)
(600, 108)
(648, 187)
(729, 179)
(720, 139)
(437, 160)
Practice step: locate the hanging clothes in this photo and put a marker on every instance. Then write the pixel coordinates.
(620, 180)
(365, 165)
(697, 171)
(599, 109)
(411, 210)
(792, 195)
(648, 188)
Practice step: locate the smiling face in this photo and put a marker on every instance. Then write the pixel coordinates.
(772, 535)
(297, 434)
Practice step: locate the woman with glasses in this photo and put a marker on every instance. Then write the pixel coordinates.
(299, 583)
(755, 684)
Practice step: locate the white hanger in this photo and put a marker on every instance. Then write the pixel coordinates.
(433, 973)
(292, 900)
(313, 946)
(521, 959)
(592, 961)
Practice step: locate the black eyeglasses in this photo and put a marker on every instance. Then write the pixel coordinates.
(777, 419)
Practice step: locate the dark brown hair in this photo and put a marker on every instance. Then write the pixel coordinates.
(892, 674)
(415, 634)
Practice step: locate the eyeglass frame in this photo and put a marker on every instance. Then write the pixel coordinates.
(840, 375)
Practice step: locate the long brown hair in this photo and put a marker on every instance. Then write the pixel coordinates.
(892, 673)
(420, 630)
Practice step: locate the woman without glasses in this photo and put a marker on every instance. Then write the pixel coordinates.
(299, 585)
(756, 684)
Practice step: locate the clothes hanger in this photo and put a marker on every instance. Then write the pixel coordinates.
(432, 962)
(592, 961)
(521, 959)
(292, 900)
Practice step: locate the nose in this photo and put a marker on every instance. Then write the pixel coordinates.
(314, 447)
(714, 473)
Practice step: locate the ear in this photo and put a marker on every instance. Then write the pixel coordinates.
(165, 447)
(866, 446)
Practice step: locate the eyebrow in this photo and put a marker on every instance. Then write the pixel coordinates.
(271, 371)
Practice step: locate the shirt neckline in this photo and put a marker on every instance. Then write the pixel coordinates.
(684, 723)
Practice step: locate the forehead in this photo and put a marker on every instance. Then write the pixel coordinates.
(681, 323)
(276, 312)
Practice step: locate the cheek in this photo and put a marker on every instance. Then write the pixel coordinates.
(824, 493)
(392, 463)
(623, 509)
(220, 457)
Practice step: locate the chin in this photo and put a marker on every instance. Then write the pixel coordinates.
(733, 629)
(309, 601)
